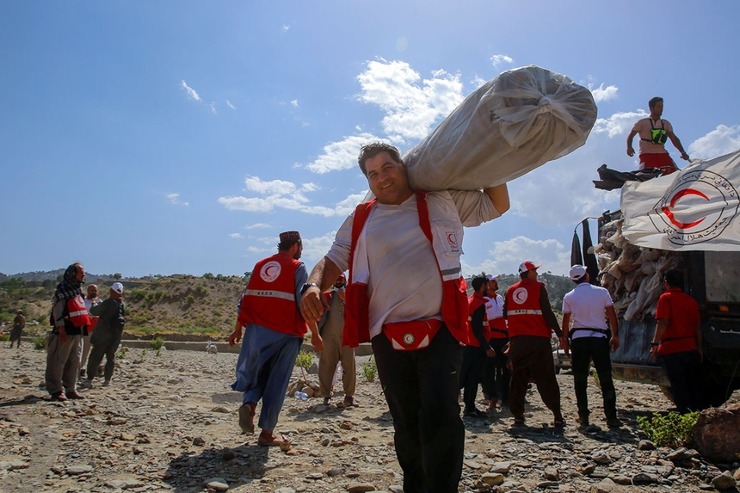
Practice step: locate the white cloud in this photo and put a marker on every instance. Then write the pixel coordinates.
(505, 256)
(618, 123)
(192, 94)
(212, 106)
(280, 194)
(340, 155)
(236, 235)
(412, 104)
(174, 199)
(258, 226)
(720, 141)
(602, 93)
(294, 103)
(315, 248)
(498, 59)
(230, 104)
(285, 28)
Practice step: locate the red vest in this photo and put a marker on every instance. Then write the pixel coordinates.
(475, 301)
(357, 301)
(523, 310)
(269, 300)
(77, 314)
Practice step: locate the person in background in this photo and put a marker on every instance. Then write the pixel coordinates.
(478, 351)
(19, 323)
(273, 334)
(406, 295)
(69, 320)
(677, 342)
(107, 335)
(331, 328)
(91, 300)
(531, 323)
(654, 132)
(496, 383)
(590, 339)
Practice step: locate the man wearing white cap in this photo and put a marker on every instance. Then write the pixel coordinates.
(107, 335)
(531, 323)
(589, 340)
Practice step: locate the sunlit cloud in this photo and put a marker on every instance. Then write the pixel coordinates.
(192, 94)
(500, 59)
(236, 235)
(258, 226)
(340, 155)
(618, 123)
(602, 93)
(174, 199)
(212, 106)
(505, 256)
(720, 141)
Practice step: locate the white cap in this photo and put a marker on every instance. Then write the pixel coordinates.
(527, 266)
(117, 287)
(577, 272)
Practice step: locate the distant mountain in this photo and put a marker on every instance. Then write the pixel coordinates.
(53, 275)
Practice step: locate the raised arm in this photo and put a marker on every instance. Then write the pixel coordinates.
(499, 197)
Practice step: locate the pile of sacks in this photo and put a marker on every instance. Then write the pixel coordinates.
(633, 275)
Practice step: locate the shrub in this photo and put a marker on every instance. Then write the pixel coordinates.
(39, 343)
(4, 337)
(121, 354)
(157, 344)
(369, 370)
(669, 430)
(304, 360)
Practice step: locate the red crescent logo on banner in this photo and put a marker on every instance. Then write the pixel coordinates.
(669, 213)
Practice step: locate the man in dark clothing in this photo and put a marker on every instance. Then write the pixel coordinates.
(474, 355)
(531, 323)
(107, 334)
(19, 323)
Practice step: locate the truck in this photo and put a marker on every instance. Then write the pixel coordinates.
(632, 274)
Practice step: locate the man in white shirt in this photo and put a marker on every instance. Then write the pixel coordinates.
(590, 340)
(406, 295)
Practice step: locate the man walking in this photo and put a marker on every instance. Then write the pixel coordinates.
(478, 351)
(19, 323)
(531, 323)
(590, 339)
(273, 334)
(406, 295)
(496, 383)
(107, 335)
(331, 328)
(69, 320)
(678, 342)
(91, 300)
(654, 132)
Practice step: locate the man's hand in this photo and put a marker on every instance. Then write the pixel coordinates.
(565, 344)
(316, 341)
(614, 343)
(630, 151)
(490, 352)
(236, 335)
(62, 334)
(312, 305)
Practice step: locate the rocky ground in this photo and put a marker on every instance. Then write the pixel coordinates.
(168, 422)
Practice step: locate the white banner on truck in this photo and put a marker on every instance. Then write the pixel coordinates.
(695, 208)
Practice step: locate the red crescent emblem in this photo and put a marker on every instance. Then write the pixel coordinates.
(269, 270)
(669, 213)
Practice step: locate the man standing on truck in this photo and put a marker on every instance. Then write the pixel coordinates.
(531, 323)
(590, 340)
(654, 132)
(678, 341)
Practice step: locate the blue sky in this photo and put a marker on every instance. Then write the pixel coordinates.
(168, 137)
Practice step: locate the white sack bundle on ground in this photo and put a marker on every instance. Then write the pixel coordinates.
(511, 125)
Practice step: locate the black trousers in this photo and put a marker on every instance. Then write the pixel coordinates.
(107, 349)
(583, 351)
(421, 389)
(683, 373)
(472, 374)
(496, 379)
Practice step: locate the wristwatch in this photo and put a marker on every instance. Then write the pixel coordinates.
(307, 285)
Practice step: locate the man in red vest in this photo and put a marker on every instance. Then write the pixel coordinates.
(407, 296)
(273, 334)
(496, 380)
(478, 351)
(531, 323)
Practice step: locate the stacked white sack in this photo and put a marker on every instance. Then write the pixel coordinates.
(511, 125)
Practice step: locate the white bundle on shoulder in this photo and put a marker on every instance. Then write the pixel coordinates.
(510, 125)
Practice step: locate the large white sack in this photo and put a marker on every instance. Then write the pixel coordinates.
(512, 124)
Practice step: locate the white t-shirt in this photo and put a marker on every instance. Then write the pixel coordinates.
(587, 305)
(404, 282)
(495, 307)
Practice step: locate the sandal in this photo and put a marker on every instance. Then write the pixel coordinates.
(246, 417)
(273, 440)
(558, 423)
(518, 422)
